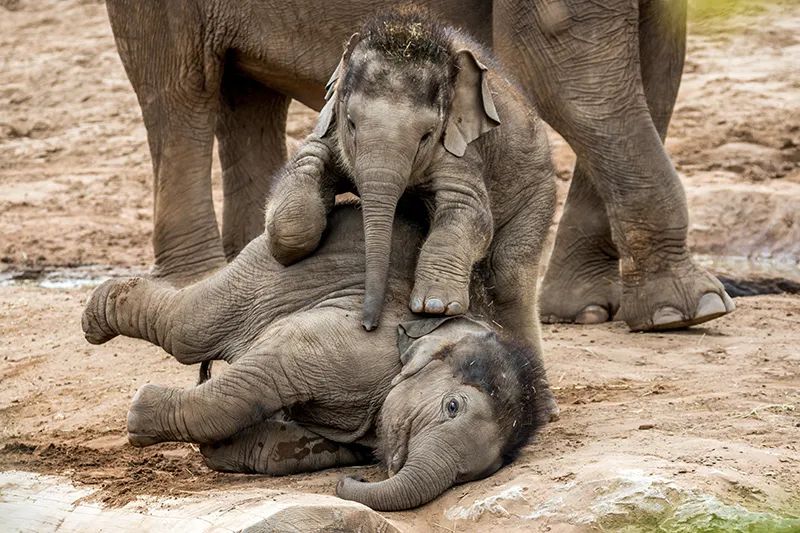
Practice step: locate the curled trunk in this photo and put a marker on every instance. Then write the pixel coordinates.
(425, 476)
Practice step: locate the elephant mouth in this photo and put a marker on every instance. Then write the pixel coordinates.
(397, 458)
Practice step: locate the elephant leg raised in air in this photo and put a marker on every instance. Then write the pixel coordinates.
(177, 88)
(252, 148)
(251, 390)
(190, 324)
(594, 96)
(280, 448)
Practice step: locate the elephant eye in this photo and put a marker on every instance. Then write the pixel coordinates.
(452, 407)
(351, 124)
(426, 137)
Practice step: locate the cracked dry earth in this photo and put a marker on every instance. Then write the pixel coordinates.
(686, 431)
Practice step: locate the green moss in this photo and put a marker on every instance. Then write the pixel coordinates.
(704, 514)
(703, 10)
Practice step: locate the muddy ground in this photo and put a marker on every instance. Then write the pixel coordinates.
(668, 429)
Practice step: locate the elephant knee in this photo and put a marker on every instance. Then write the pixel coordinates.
(143, 424)
(294, 227)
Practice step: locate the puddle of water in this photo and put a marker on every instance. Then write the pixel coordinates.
(748, 276)
(65, 278)
(742, 276)
(749, 268)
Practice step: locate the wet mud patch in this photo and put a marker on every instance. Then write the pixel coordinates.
(70, 277)
(121, 473)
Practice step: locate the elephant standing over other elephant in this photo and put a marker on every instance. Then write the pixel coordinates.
(420, 107)
(605, 75)
(308, 388)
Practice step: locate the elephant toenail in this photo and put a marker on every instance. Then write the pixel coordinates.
(434, 305)
(711, 304)
(728, 301)
(416, 305)
(455, 308)
(667, 315)
(592, 314)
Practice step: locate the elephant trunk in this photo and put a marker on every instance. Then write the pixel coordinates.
(425, 475)
(379, 197)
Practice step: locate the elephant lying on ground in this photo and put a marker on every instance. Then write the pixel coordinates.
(418, 106)
(604, 74)
(309, 388)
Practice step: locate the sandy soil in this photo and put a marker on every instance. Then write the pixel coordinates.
(653, 422)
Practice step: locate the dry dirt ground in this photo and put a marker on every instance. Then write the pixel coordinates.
(679, 431)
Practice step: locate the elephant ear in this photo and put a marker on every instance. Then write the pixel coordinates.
(418, 347)
(472, 112)
(328, 111)
(416, 351)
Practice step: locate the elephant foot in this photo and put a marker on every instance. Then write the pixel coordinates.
(580, 292)
(437, 298)
(94, 320)
(684, 296)
(145, 406)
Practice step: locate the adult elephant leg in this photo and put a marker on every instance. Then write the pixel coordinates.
(252, 147)
(593, 94)
(662, 49)
(582, 283)
(279, 448)
(251, 390)
(176, 79)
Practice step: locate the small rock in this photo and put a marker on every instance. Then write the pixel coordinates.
(647, 426)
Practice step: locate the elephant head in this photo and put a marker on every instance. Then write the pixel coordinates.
(403, 90)
(462, 407)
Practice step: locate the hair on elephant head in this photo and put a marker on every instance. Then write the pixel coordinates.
(462, 407)
(404, 88)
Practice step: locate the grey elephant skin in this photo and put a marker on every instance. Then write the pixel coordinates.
(443, 400)
(605, 75)
(419, 107)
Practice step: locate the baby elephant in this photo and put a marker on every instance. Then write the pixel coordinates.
(422, 107)
(441, 400)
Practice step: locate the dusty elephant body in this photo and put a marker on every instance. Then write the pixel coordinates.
(605, 75)
(444, 400)
(419, 107)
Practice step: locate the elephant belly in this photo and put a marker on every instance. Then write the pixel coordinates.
(345, 371)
